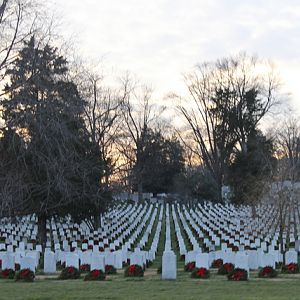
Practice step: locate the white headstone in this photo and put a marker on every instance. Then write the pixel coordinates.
(202, 260)
(8, 261)
(97, 262)
(28, 262)
(49, 262)
(169, 270)
(72, 260)
(291, 257)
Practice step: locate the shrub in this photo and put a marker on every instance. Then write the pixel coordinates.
(25, 275)
(69, 273)
(110, 270)
(95, 275)
(134, 271)
(85, 268)
(189, 267)
(226, 269)
(217, 263)
(202, 273)
(7, 274)
(267, 272)
(238, 274)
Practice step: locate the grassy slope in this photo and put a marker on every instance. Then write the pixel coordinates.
(151, 287)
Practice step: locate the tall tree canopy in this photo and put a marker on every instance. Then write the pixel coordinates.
(161, 160)
(229, 99)
(61, 166)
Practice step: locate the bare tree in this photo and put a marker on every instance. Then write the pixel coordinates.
(103, 117)
(288, 144)
(18, 21)
(228, 100)
(139, 114)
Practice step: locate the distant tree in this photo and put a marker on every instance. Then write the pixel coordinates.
(196, 183)
(62, 166)
(103, 117)
(162, 159)
(139, 114)
(288, 145)
(250, 171)
(228, 100)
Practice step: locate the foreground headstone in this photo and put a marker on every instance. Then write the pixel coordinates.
(8, 261)
(28, 262)
(97, 262)
(49, 262)
(291, 256)
(169, 270)
(118, 260)
(72, 260)
(202, 260)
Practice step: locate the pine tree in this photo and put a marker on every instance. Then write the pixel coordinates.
(63, 167)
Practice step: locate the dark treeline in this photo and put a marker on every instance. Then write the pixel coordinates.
(68, 142)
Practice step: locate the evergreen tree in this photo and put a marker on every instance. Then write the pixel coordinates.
(250, 171)
(161, 159)
(62, 165)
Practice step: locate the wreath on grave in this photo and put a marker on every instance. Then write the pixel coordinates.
(225, 269)
(291, 268)
(217, 263)
(7, 274)
(202, 273)
(95, 275)
(85, 268)
(267, 272)
(134, 271)
(25, 275)
(110, 270)
(189, 267)
(69, 273)
(238, 274)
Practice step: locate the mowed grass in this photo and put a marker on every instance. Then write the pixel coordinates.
(152, 287)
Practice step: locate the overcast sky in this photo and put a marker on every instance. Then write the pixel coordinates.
(159, 40)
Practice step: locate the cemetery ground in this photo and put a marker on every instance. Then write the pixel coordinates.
(152, 287)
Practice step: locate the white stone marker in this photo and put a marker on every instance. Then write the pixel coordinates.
(8, 261)
(291, 257)
(49, 262)
(97, 261)
(253, 259)
(28, 262)
(118, 259)
(202, 260)
(169, 270)
(72, 260)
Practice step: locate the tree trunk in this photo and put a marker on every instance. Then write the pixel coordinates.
(96, 223)
(253, 210)
(42, 231)
(140, 191)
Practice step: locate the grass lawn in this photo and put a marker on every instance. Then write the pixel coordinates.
(152, 287)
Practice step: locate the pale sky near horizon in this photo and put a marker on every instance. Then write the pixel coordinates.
(160, 40)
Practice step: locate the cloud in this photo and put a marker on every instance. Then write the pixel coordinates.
(159, 40)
